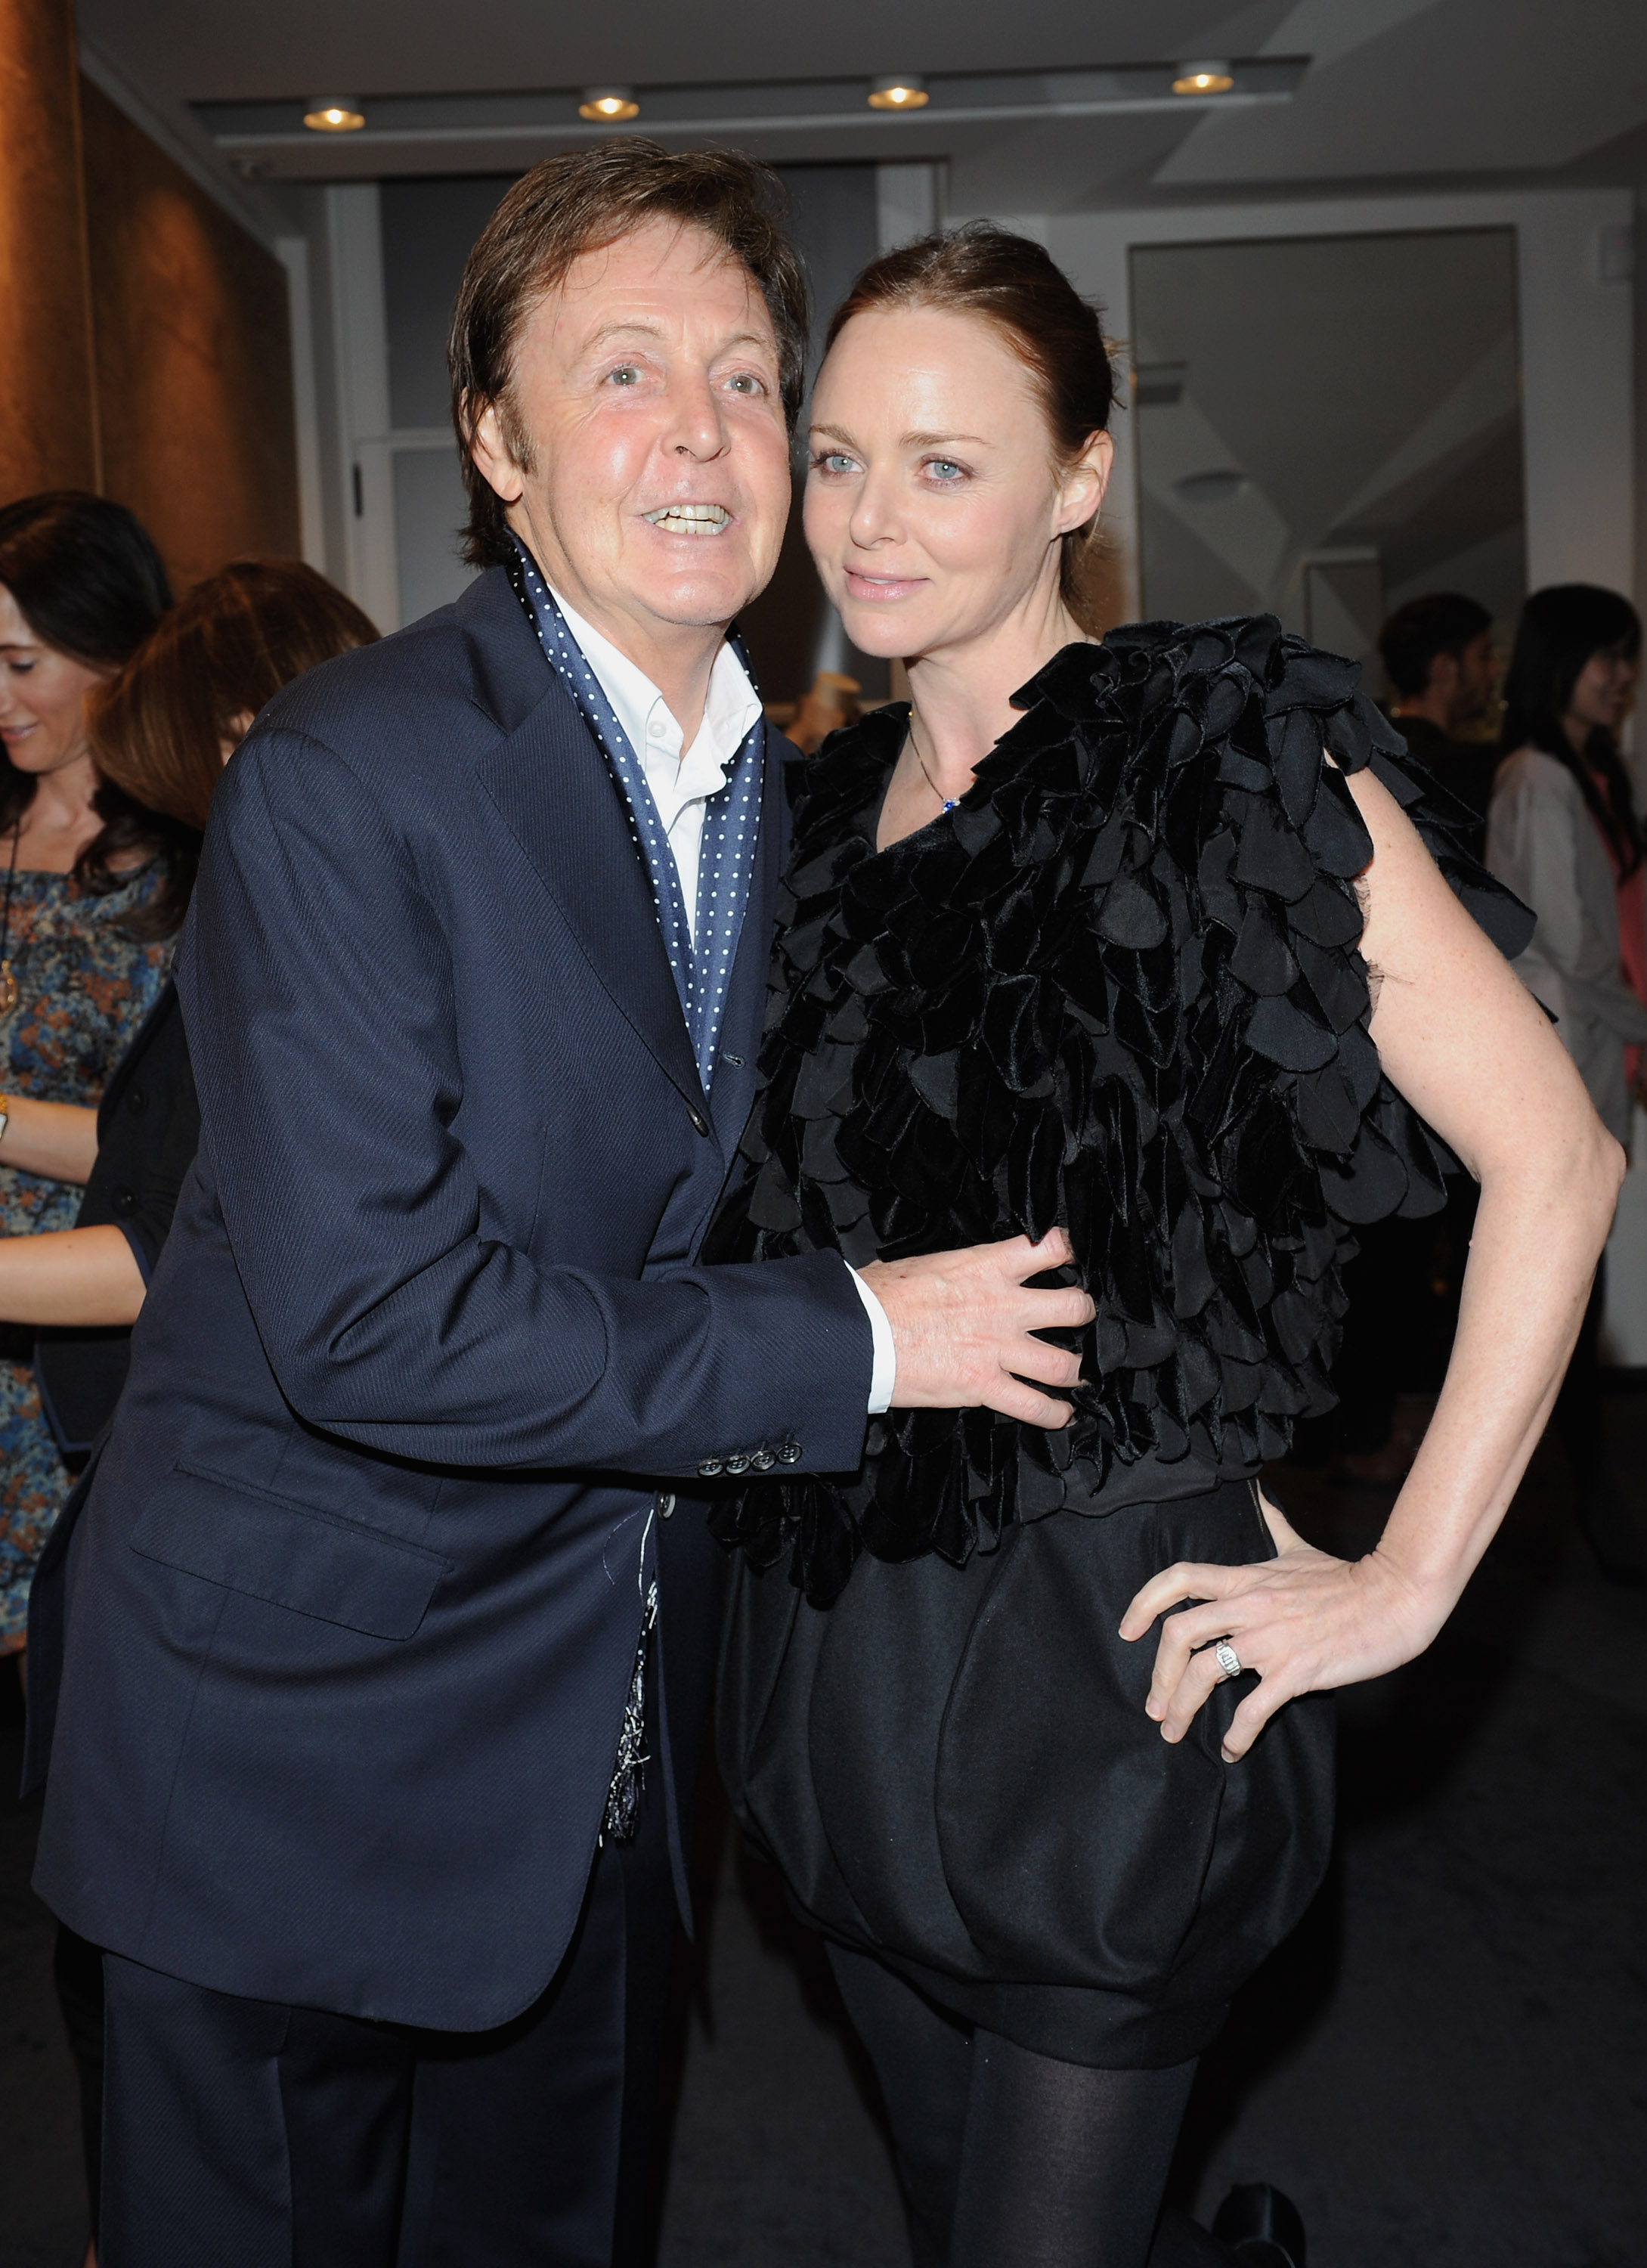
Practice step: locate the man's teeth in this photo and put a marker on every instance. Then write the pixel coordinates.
(691, 518)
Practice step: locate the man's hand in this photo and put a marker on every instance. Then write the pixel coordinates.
(962, 1322)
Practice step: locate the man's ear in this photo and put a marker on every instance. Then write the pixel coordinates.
(489, 448)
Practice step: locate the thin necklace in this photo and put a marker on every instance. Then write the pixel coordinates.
(9, 995)
(948, 801)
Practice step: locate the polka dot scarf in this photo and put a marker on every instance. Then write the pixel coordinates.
(731, 823)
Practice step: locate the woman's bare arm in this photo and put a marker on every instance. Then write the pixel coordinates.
(70, 1275)
(56, 1139)
(1469, 1048)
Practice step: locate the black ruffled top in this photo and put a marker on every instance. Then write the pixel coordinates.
(1117, 987)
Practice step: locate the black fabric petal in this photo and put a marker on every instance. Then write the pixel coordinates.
(1118, 986)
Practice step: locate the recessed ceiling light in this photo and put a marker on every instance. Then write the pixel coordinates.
(903, 91)
(334, 113)
(608, 106)
(1218, 487)
(1203, 79)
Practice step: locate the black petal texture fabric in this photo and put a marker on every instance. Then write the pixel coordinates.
(1117, 987)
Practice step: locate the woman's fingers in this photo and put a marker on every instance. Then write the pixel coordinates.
(1251, 1716)
(1176, 1711)
(1183, 1639)
(1172, 1587)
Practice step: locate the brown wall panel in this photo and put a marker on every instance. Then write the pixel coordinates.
(47, 432)
(192, 356)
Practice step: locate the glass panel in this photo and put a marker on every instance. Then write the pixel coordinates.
(428, 228)
(1328, 426)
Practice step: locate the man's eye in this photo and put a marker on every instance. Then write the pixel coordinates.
(625, 374)
(744, 382)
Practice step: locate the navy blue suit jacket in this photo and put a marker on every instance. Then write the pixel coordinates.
(333, 1659)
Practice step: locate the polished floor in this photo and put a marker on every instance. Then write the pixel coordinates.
(1446, 2066)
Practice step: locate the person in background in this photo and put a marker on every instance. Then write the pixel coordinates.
(85, 875)
(161, 732)
(1437, 651)
(1564, 834)
(1403, 1284)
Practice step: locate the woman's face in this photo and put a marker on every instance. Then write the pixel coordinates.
(42, 695)
(934, 509)
(1601, 695)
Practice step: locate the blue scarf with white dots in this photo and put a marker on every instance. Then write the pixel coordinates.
(731, 824)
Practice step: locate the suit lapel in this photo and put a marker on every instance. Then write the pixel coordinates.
(556, 792)
(734, 1085)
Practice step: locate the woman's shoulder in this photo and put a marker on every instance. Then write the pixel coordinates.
(1534, 771)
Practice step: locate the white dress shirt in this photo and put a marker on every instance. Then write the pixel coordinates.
(682, 782)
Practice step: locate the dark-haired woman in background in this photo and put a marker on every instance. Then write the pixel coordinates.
(1562, 831)
(82, 956)
(161, 732)
(1082, 938)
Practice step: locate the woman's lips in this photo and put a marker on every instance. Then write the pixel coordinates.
(879, 588)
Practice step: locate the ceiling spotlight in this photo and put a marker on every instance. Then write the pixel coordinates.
(903, 91)
(608, 106)
(334, 113)
(1203, 79)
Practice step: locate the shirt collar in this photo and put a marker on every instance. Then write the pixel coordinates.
(729, 709)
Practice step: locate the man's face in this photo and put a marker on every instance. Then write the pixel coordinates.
(1470, 678)
(645, 394)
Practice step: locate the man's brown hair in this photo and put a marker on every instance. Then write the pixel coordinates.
(581, 202)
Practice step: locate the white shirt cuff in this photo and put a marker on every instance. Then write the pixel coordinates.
(883, 1376)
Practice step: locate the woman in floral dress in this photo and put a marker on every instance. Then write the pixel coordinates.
(83, 945)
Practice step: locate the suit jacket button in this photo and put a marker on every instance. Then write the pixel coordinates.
(698, 1120)
(790, 1454)
(709, 1467)
(737, 1463)
(665, 1505)
(762, 1461)
(123, 1201)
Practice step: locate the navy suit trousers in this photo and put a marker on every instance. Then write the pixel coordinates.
(247, 2132)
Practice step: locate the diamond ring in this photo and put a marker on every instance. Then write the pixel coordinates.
(1227, 1658)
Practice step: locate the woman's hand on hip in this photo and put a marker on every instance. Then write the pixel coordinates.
(1303, 1620)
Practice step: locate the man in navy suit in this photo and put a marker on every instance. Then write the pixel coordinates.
(376, 1662)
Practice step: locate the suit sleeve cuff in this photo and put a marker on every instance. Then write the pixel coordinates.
(884, 1375)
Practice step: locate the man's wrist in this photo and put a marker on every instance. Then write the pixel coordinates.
(884, 1374)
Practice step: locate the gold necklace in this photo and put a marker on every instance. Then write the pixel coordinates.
(948, 801)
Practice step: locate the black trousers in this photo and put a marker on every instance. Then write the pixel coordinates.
(246, 2131)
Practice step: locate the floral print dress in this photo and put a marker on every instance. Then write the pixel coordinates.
(84, 988)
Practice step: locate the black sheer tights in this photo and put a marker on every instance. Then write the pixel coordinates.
(1011, 2160)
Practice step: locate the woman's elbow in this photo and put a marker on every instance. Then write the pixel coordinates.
(1592, 1180)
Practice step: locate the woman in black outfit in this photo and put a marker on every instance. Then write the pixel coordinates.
(161, 732)
(1153, 940)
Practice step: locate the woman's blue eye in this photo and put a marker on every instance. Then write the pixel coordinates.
(944, 468)
(834, 462)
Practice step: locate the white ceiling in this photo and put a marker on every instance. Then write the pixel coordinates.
(1421, 90)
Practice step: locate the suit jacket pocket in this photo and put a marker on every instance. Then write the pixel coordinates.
(291, 1555)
